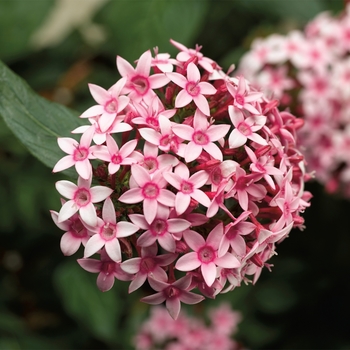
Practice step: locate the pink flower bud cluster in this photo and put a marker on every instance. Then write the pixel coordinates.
(309, 71)
(160, 331)
(187, 178)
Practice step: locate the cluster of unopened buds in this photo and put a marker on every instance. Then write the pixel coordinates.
(309, 71)
(187, 178)
(161, 332)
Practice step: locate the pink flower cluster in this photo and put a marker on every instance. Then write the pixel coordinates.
(309, 71)
(187, 178)
(160, 331)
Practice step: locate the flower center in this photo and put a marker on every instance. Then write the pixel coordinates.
(80, 153)
(78, 229)
(116, 158)
(111, 106)
(186, 187)
(108, 267)
(152, 122)
(216, 176)
(244, 129)
(200, 138)
(147, 265)
(82, 197)
(150, 163)
(239, 99)
(206, 254)
(171, 292)
(140, 84)
(150, 190)
(192, 88)
(108, 231)
(165, 141)
(159, 227)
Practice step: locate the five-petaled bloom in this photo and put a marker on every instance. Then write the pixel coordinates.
(196, 176)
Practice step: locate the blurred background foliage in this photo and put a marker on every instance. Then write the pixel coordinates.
(46, 300)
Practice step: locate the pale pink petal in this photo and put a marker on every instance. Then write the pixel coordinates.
(146, 239)
(150, 135)
(134, 195)
(202, 103)
(236, 139)
(67, 144)
(113, 168)
(251, 108)
(206, 88)
(224, 246)
(140, 175)
(154, 299)
(83, 168)
(68, 210)
(100, 95)
(64, 163)
(178, 79)
(93, 245)
(66, 188)
(178, 225)
(139, 221)
(214, 151)
(183, 131)
(150, 209)
(173, 305)
(93, 111)
(128, 148)
(90, 265)
(105, 282)
(113, 250)
(173, 179)
(193, 151)
(190, 298)
(158, 80)
(236, 115)
(108, 211)
(215, 236)
(65, 225)
(227, 261)
(125, 229)
(243, 199)
(182, 202)
(188, 262)
(183, 99)
(100, 193)
(194, 240)
(201, 197)
(144, 64)
(166, 198)
(69, 244)
(123, 101)
(117, 88)
(106, 120)
(258, 139)
(131, 265)
(137, 282)
(88, 214)
(124, 67)
(199, 178)
(216, 132)
(209, 273)
(193, 73)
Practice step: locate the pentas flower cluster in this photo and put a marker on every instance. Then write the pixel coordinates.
(309, 71)
(187, 178)
(161, 332)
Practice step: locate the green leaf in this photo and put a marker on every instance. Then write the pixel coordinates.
(83, 301)
(135, 26)
(18, 20)
(36, 121)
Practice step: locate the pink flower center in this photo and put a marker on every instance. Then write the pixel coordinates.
(186, 187)
(159, 227)
(80, 153)
(111, 106)
(150, 163)
(239, 100)
(108, 231)
(165, 141)
(147, 265)
(244, 129)
(216, 176)
(78, 229)
(108, 267)
(150, 190)
(192, 88)
(260, 167)
(82, 197)
(206, 254)
(152, 122)
(116, 158)
(232, 233)
(200, 138)
(241, 184)
(140, 84)
(171, 292)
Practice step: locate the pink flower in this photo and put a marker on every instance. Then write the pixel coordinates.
(78, 154)
(173, 294)
(140, 84)
(107, 232)
(245, 128)
(193, 89)
(188, 187)
(148, 265)
(201, 136)
(115, 156)
(75, 235)
(150, 190)
(109, 103)
(205, 254)
(242, 98)
(161, 229)
(107, 270)
(81, 198)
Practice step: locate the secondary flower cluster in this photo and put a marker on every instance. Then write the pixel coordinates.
(187, 179)
(160, 331)
(309, 71)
